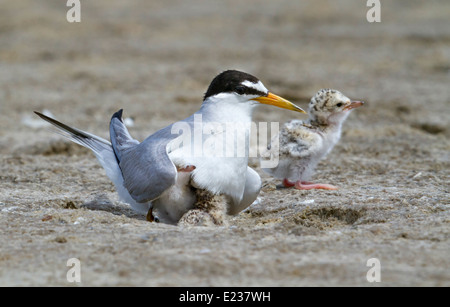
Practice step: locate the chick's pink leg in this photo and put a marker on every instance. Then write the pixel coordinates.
(304, 185)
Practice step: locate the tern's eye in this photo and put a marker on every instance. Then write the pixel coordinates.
(340, 104)
(240, 90)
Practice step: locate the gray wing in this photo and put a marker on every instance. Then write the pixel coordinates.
(146, 167)
(121, 139)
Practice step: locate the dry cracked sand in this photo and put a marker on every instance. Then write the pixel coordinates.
(155, 60)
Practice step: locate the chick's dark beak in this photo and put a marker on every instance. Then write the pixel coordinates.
(354, 104)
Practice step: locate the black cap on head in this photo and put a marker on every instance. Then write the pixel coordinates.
(231, 81)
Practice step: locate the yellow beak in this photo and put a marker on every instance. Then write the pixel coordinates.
(278, 101)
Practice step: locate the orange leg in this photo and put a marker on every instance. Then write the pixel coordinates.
(287, 183)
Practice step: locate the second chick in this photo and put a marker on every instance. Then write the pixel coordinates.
(302, 144)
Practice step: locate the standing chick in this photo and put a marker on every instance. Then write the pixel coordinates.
(302, 144)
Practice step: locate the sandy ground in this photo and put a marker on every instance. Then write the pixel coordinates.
(155, 60)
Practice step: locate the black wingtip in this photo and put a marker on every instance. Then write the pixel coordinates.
(61, 125)
(118, 115)
(45, 117)
(38, 114)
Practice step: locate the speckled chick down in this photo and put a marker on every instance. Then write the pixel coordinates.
(209, 210)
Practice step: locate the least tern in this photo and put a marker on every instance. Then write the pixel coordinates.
(160, 178)
(302, 144)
